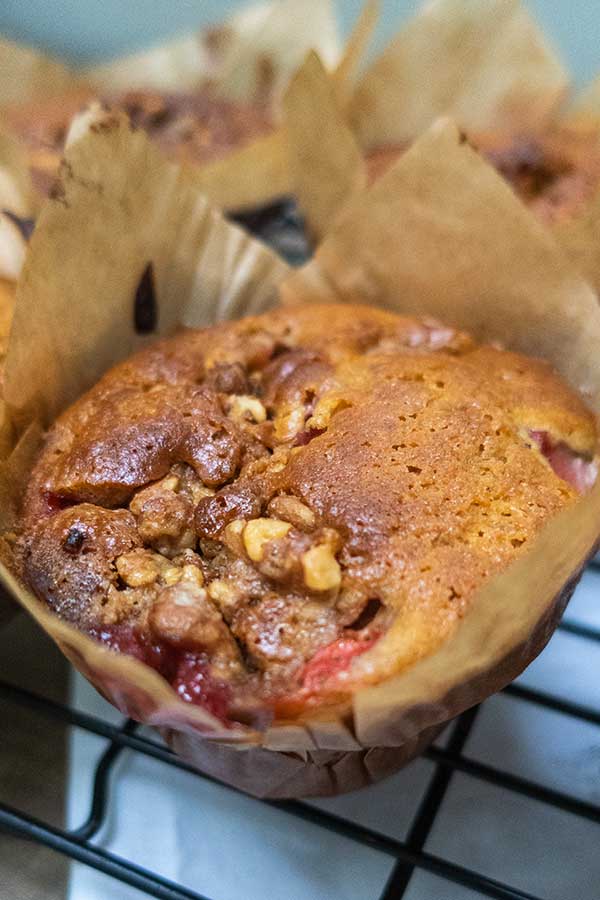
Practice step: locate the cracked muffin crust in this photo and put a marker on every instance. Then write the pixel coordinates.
(555, 174)
(274, 511)
(195, 127)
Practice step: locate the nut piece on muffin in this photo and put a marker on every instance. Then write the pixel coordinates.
(190, 127)
(275, 511)
(556, 174)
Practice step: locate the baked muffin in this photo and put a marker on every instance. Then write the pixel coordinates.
(276, 511)
(194, 127)
(555, 174)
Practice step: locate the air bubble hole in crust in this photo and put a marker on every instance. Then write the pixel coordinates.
(145, 307)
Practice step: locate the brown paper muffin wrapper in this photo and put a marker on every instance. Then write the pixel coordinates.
(16, 190)
(28, 74)
(261, 172)
(17, 203)
(249, 57)
(485, 63)
(580, 237)
(468, 253)
(17, 206)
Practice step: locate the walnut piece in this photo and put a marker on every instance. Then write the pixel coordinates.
(321, 569)
(259, 531)
(138, 568)
(244, 407)
(183, 615)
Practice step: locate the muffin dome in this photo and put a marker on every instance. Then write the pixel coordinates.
(275, 511)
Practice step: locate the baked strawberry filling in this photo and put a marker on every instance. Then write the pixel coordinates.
(188, 673)
(191, 677)
(126, 638)
(194, 683)
(332, 661)
(572, 467)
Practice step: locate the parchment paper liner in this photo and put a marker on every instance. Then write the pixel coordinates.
(248, 57)
(269, 38)
(122, 207)
(27, 74)
(17, 198)
(484, 62)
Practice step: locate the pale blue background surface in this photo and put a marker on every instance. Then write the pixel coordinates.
(85, 30)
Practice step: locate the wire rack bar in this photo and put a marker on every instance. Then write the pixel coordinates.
(24, 825)
(514, 783)
(100, 789)
(408, 855)
(21, 824)
(558, 704)
(336, 824)
(429, 807)
(449, 758)
(579, 630)
(75, 844)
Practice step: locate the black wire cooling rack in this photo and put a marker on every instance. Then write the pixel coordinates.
(408, 855)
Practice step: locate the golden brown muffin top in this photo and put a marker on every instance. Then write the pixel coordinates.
(250, 507)
(190, 127)
(555, 174)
